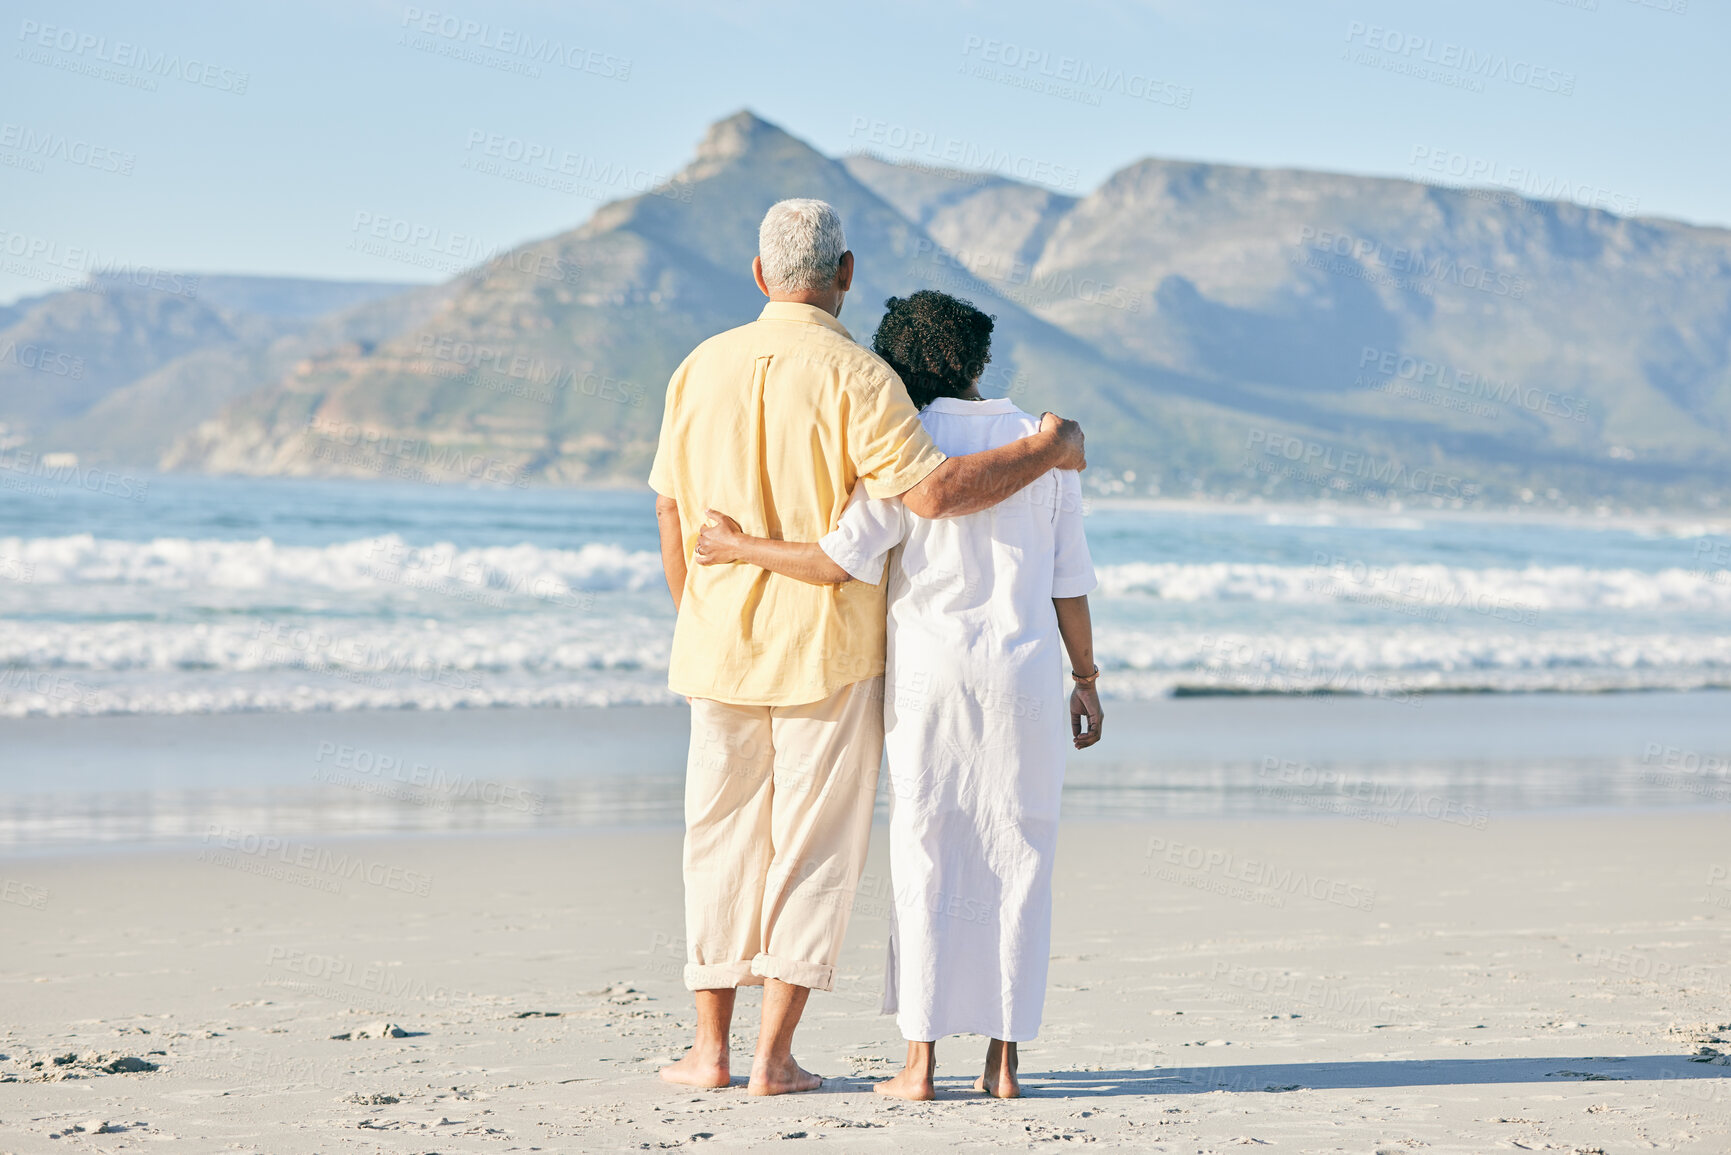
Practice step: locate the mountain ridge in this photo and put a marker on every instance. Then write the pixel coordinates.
(1192, 314)
(659, 274)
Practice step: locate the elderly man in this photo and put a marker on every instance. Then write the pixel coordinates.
(775, 422)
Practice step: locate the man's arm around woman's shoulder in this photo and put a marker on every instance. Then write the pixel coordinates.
(963, 485)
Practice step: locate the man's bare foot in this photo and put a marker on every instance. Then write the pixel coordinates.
(999, 1080)
(695, 1071)
(773, 1071)
(705, 1064)
(784, 1078)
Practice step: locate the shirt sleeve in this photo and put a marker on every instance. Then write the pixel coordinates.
(663, 477)
(892, 451)
(869, 528)
(1072, 567)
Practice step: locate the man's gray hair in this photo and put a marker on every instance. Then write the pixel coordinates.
(800, 244)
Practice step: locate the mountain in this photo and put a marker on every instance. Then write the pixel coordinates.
(1520, 342)
(990, 223)
(292, 298)
(549, 362)
(115, 372)
(141, 422)
(1219, 329)
(65, 351)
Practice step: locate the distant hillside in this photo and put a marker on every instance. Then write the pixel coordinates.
(64, 352)
(115, 372)
(289, 298)
(1221, 330)
(1522, 343)
(141, 422)
(971, 213)
(550, 362)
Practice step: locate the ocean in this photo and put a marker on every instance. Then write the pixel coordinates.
(220, 658)
(225, 595)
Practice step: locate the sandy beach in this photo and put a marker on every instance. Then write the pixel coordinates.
(481, 490)
(1307, 984)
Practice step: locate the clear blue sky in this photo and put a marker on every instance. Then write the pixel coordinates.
(365, 110)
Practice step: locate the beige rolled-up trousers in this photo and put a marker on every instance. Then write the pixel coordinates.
(778, 811)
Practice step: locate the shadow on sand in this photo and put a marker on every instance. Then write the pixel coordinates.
(1708, 1081)
(1391, 1073)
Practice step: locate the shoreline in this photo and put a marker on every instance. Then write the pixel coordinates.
(1709, 521)
(621, 728)
(95, 783)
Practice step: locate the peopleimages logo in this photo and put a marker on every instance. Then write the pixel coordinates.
(1321, 463)
(42, 359)
(1412, 263)
(542, 380)
(40, 145)
(945, 153)
(62, 469)
(23, 894)
(374, 446)
(342, 977)
(89, 47)
(588, 175)
(1017, 279)
(464, 247)
(1522, 180)
(1070, 77)
(513, 42)
(1423, 372)
(85, 269)
(343, 765)
(1271, 879)
(1469, 62)
(235, 847)
(1386, 799)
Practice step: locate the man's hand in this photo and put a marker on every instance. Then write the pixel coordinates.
(1085, 703)
(1069, 437)
(718, 543)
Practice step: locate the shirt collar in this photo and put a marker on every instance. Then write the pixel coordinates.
(798, 311)
(966, 406)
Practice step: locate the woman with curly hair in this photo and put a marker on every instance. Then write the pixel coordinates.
(978, 607)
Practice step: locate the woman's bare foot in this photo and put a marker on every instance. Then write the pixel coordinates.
(914, 1080)
(783, 1078)
(906, 1084)
(696, 1070)
(1000, 1080)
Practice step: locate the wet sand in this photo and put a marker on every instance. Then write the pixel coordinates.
(68, 783)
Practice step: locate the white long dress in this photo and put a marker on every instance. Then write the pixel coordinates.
(976, 728)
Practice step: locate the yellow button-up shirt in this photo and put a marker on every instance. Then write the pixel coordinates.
(772, 423)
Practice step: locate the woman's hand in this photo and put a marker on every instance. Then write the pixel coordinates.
(719, 542)
(1085, 703)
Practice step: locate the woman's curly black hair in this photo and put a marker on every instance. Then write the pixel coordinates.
(937, 344)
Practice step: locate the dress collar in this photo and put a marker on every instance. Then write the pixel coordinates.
(989, 406)
(798, 311)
